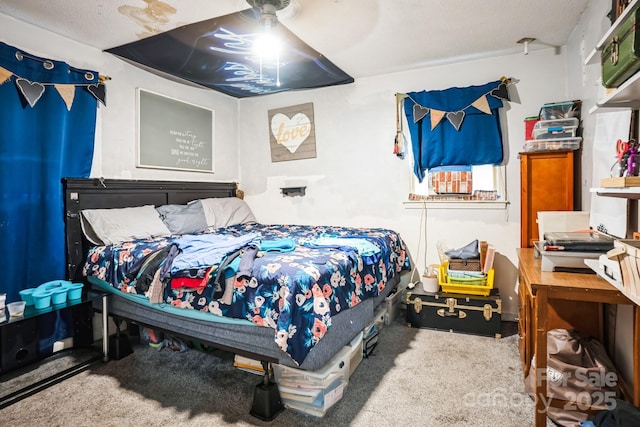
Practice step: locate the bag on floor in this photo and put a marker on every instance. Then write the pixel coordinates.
(579, 372)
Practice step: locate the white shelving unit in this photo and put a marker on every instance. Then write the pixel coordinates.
(594, 264)
(593, 57)
(622, 192)
(628, 94)
(625, 96)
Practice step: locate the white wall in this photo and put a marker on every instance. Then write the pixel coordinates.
(115, 151)
(357, 181)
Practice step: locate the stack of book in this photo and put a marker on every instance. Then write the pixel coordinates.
(578, 241)
(567, 251)
(248, 365)
(314, 392)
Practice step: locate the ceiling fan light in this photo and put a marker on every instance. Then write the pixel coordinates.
(267, 45)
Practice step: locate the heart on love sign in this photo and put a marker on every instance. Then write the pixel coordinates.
(290, 132)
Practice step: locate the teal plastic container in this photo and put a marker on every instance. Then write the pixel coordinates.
(59, 295)
(42, 298)
(27, 295)
(74, 291)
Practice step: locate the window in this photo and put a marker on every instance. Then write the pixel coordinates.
(485, 178)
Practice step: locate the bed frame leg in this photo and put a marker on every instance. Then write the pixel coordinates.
(105, 328)
(266, 398)
(119, 345)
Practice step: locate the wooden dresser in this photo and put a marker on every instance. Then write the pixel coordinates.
(569, 301)
(547, 183)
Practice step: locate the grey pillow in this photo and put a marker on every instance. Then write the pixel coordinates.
(183, 219)
(225, 211)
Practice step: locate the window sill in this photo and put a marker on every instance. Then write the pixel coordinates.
(455, 204)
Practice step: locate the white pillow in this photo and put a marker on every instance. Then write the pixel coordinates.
(109, 226)
(226, 211)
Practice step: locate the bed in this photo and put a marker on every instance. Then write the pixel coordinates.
(304, 292)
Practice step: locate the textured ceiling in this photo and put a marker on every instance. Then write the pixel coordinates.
(362, 37)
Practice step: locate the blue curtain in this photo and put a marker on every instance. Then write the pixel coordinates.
(39, 145)
(478, 141)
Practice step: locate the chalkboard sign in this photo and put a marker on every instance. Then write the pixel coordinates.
(173, 134)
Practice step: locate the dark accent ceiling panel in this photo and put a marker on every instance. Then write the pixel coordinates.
(219, 54)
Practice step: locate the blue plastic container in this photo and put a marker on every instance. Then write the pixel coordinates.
(27, 295)
(41, 298)
(74, 291)
(59, 295)
(54, 284)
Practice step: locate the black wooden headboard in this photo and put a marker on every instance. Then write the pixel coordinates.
(99, 193)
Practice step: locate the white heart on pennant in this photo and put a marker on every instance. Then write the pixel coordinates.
(290, 132)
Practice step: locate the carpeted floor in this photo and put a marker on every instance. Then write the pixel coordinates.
(416, 377)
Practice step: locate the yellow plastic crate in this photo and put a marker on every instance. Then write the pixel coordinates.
(472, 286)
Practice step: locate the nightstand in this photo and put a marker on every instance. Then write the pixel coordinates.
(20, 359)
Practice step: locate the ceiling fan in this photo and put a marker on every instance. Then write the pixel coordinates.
(268, 9)
(266, 45)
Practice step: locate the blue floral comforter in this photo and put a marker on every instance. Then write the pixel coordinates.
(294, 290)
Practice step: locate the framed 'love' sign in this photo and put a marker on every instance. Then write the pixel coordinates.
(292, 133)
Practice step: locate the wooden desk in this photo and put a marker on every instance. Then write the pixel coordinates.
(568, 301)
